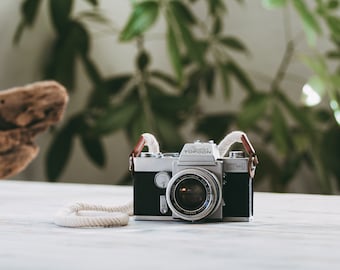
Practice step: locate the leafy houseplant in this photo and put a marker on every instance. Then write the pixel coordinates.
(202, 56)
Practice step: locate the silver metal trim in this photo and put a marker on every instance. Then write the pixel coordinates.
(153, 218)
(170, 218)
(236, 154)
(234, 165)
(153, 164)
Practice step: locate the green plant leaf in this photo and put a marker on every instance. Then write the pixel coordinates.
(59, 151)
(301, 117)
(215, 126)
(60, 14)
(168, 79)
(216, 7)
(143, 16)
(310, 24)
(333, 4)
(94, 149)
(322, 116)
(92, 2)
(317, 64)
(279, 130)
(115, 118)
(240, 76)
(335, 81)
(192, 88)
(334, 24)
(208, 80)
(79, 37)
(29, 10)
(191, 44)
(193, 50)
(92, 70)
(103, 92)
(217, 26)
(300, 142)
(168, 105)
(268, 167)
(94, 16)
(170, 138)
(61, 66)
(174, 53)
(18, 33)
(271, 4)
(203, 46)
(333, 55)
(291, 167)
(182, 12)
(224, 75)
(330, 151)
(137, 126)
(252, 110)
(233, 43)
(116, 84)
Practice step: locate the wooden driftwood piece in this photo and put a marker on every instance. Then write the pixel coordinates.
(25, 112)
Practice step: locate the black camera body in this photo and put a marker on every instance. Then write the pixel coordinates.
(195, 185)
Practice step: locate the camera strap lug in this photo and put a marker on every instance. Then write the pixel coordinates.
(136, 152)
(131, 164)
(138, 147)
(148, 140)
(253, 160)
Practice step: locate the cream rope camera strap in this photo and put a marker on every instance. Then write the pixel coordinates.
(88, 215)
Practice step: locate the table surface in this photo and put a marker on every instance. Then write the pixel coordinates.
(289, 231)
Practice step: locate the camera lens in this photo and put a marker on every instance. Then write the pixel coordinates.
(190, 194)
(193, 194)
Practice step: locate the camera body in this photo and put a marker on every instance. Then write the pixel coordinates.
(195, 185)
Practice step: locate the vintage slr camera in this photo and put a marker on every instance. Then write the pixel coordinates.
(198, 184)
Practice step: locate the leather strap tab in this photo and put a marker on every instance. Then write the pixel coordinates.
(138, 147)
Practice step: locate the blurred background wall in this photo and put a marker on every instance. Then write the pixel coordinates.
(21, 64)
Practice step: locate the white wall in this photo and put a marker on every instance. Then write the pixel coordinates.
(262, 31)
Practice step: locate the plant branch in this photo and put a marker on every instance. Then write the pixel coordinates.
(287, 24)
(142, 91)
(281, 72)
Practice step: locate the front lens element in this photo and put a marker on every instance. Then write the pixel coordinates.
(190, 194)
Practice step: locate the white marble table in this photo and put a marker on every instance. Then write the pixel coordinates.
(290, 231)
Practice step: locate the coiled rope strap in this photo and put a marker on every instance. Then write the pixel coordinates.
(87, 215)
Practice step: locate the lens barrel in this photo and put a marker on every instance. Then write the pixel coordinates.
(193, 194)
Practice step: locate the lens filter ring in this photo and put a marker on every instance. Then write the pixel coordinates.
(193, 194)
